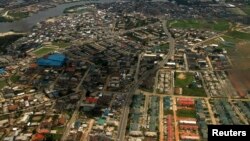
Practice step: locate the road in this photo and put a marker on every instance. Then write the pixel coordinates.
(156, 82)
(211, 113)
(186, 62)
(209, 39)
(237, 112)
(161, 123)
(175, 120)
(86, 133)
(128, 99)
(145, 110)
(76, 112)
(138, 67)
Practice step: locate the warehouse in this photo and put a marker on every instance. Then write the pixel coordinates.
(54, 60)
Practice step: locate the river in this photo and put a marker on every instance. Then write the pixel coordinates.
(26, 24)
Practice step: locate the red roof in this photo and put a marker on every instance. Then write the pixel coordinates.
(62, 120)
(70, 69)
(43, 131)
(169, 128)
(12, 107)
(33, 65)
(91, 100)
(186, 101)
(38, 137)
(190, 127)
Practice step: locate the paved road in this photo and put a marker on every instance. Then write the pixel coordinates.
(237, 112)
(125, 110)
(76, 112)
(138, 67)
(161, 123)
(211, 113)
(175, 120)
(86, 133)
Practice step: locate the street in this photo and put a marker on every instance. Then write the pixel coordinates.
(125, 110)
(76, 112)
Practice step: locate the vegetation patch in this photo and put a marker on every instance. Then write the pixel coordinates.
(61, 44)
(14, 78)
(53, 137)
(186, 113)
(13, 16)
(43, 51)
(246, 9)
(7, 40)
(168, 112)
(161, 48)
(189, 85)
(77, 9)
(220, 25)
(239, 35)
(4, 19)
(18, 15)
(237, 11)
(2, 83)
(59, 129)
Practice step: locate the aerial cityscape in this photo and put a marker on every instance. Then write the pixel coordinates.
(122, 70)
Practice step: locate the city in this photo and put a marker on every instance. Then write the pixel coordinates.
(122, 70)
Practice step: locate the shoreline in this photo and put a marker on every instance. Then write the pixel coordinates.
(2, 34)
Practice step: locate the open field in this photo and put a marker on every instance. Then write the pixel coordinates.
(2, 84)
(246, 9)
(239, 35)
(7, 39)
(12, 16)
(200, 24)
(18, 15)
(37, 118)
(61, 44)
(4, 19)
(186, 113)
(43, 51)
(186, 82)
(15, 78)
(237, 11)
(240, 75)
(77, 9)
(163, 47)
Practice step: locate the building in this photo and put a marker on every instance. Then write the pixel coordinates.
(54, 60)
(185, 102)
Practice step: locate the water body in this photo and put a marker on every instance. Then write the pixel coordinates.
(26, 24)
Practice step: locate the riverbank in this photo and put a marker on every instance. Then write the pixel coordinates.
(26, 24)
(10, 33)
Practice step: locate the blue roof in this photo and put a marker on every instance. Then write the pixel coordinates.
(57, 57)
(2, 71)
(54, 60)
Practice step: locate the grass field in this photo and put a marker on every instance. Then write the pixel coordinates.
(200, 24)
(168, 112)
(183, 83)
(18, 15)
(43, 51)
(61, 44)
(186, 113)
(53, 137)
(239, 35)
(15, 78)
(2, 84)
(59, 129)
(4, 19)
(163, 47)
(246, 9)
(237, 11)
